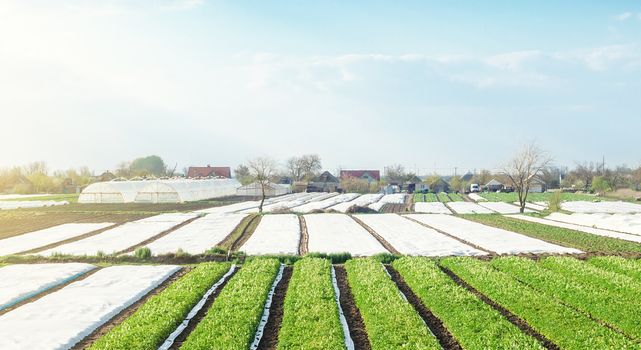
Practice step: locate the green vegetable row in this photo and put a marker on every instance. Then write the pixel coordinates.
(233, 318)
(473, 323)
(627, 267)
(310, 316)
(152, 323)
(391, 322)
(602, 304)
(425, 197)
(564, 326)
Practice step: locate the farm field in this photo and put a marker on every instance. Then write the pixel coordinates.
(338, 233)
(44, 237)
(275, 234)
(431, 208)
(425, 197)
(450, 303)
(468, 208)
(512, 197)
(503, 208)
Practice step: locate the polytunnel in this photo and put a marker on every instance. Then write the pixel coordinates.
(112, 192)
(178, 191)
(254, 190)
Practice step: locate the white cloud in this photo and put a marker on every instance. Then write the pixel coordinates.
(513, 60)
(181, 5)
(624, 16)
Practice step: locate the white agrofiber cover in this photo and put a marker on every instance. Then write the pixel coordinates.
(338, 233)
(626, 223)
(197, 236)
(411, 238)
(503, 208)
(431, 208)
(231, 208)
(7, 205)
(275, 234)
(468, 208)
(538, 206)
(21, 282)
(586, 229)
(290, 202)
(489, 238)
(121, 237)
(361, 201)
(394, 198)
(44, 237)
(63, 318)
(601, 207)
(475, 197)
(326, 203)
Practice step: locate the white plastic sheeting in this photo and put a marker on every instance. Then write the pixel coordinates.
(8, 205)
(198, 236)
(626, 223)
(395, 198)
(601, 207)
(489, 238)
(468, 208)
(121, 237)
(338, 233)
(294, 202)
(41, 238)
(349, 343)
(21, 282)
(63, 318)
(411, 238)
(503, 208)
(431, 208)
(275, 234)
(255, 189)
(266, 309)
(158, 191)
(326, 203)
(361, 201)
(538, 206)
(586, 229)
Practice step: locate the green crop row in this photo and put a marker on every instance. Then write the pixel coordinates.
(391, 322)
(602, 304)
(576, 239)
(425, 197)
(152, 323)
(564, 326)
(473, 323)
(233, 318)
(310, 315)
(622, 266)
(442, 197)
(625, 287)
(456, 197)
(535, 197)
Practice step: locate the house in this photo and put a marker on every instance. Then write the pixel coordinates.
(415, 184)
(494, 185)
(325, 182)
(368, 175)
(440, 185)
(209, 171)
(537, 186)
(467, 177)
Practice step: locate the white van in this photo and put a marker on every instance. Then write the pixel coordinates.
(475, 188)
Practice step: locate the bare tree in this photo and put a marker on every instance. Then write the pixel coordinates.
(526, 166)
(262, 170)
(304, 167)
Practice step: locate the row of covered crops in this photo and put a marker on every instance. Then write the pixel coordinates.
(158, 191)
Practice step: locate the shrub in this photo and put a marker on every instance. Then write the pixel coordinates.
(143, 253)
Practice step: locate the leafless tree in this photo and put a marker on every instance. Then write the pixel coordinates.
(526, 166)
(304, 167)
(262, 170)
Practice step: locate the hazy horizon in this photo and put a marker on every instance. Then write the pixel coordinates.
(364, 85)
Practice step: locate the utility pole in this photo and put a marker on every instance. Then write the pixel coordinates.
(455, 170)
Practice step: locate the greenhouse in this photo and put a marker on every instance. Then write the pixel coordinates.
(158, 191)
(111, 192)
(271, 190)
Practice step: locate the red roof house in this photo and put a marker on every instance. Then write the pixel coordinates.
(209, 171)
(370, 175)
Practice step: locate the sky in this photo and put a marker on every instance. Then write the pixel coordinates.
(430, 85)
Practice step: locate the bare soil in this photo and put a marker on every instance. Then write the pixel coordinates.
(124, 314)
(354, 320)
(514, 319)
(272, 328)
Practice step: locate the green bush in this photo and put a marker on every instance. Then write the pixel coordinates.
(143, 253)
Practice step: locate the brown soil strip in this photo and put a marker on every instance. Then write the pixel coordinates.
(178, 342)
(247, 232)
(238, 231)
(514, 319)
(445, 338)
(491, 253)
(49, 291)
(72, 239)
(124, 314)
(270, 333)
(378, 237)
(353, 316)
(158, 236)
(303, 245)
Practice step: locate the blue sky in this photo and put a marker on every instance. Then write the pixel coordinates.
(429, 85)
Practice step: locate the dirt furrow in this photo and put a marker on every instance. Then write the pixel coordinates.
(355, 323)
(269, 339)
